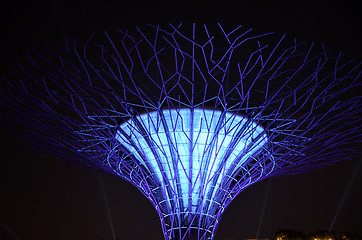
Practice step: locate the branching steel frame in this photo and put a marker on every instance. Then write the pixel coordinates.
(189, 114)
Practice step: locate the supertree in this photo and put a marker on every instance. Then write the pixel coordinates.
(190, 115)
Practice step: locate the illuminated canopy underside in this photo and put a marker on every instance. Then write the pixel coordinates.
(189, 153)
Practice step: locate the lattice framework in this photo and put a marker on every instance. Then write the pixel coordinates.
(135, 105)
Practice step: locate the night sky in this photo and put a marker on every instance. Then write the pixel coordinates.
(44, 198)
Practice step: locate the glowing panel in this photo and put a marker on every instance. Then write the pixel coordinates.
(189, 151)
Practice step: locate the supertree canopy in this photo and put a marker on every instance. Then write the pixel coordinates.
(189, 114)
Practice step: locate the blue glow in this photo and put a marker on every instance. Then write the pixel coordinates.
(191, 153)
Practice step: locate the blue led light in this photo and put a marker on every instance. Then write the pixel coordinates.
(194, 150)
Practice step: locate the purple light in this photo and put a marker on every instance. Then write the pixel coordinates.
(190, 115)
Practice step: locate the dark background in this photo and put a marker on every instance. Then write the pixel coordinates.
(44, 198)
